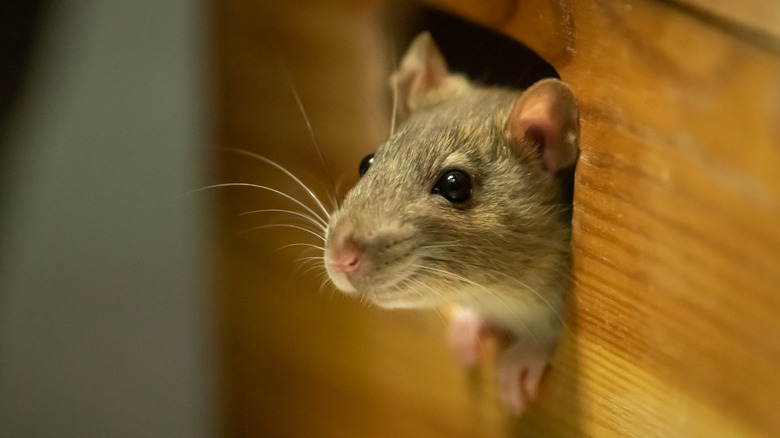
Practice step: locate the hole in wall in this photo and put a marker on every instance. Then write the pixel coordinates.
(483, 54)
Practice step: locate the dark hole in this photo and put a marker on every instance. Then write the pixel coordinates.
(483, 54)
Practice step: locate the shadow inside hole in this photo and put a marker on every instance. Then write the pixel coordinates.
(483, 54)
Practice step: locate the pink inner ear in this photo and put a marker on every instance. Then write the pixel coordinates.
(546, 115)
(541, 131)
(422, 70)
(435, 72)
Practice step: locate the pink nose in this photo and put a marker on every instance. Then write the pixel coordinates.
(346, 257)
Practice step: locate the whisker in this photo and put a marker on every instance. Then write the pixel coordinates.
(279, 210)
(301, 262)
(435, 309)
(490, 270)
(257, 186)
(395, 108)
(296, 244)
(539, 242)
(311, 133)
(286, 172)
(453, 244)
(420, 283)
(463, 279)
(332, 201)
(325, 282)
(309, 269)
(486, 290)
(395, 92)
(533, 291)
(297, 227)
(527, 287)
(310, 258)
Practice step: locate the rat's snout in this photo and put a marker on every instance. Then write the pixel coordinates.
(345, 257)
(364, 254)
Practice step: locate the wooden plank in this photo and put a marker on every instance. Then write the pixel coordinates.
(754, 19)
(677, 206)
(671, 325)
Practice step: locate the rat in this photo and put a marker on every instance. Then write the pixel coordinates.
(463, 206)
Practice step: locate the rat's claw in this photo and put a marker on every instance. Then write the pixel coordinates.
(521, 371)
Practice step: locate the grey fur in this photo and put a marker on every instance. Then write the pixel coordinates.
(505, 252)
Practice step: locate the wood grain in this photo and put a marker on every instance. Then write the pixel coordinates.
(677, 206)
(672, 324)
(751, 19)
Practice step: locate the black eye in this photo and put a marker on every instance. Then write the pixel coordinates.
(365, 163)
(454, 186)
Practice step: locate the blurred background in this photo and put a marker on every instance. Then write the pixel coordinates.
(107, 317)
(131, 305)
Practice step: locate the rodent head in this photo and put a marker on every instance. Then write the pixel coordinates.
(462, 198)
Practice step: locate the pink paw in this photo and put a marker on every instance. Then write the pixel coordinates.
(466, 334)
(519, 375)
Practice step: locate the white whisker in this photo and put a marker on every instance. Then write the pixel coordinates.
(286, 172)
(464, 280)
(485, 289)
(297, 227)
(310, 258)
(325, 282)
(311, 133)
(309, 269)
(435, 292)
(535, 292)
(296, 244)
(280, 210)
(258, 186)
(395, 108)
(395, 95)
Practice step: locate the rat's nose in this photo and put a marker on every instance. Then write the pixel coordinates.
(346, 257)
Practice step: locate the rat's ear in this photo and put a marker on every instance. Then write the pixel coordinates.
(546, 114)
(422, 70)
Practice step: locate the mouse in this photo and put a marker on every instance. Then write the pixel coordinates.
(463, 207)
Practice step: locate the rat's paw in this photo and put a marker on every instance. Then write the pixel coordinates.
(520, 373)
(467, 330)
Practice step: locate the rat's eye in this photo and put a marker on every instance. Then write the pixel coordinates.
(454, 186)
(365, 163)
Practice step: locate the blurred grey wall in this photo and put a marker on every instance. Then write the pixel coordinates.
(105, 319)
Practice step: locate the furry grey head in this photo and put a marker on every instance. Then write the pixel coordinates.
(424, 249)
(398, 241)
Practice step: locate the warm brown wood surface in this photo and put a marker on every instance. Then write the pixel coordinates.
(672, 326)
(748, 18)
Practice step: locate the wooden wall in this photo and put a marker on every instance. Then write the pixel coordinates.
(673, 325)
